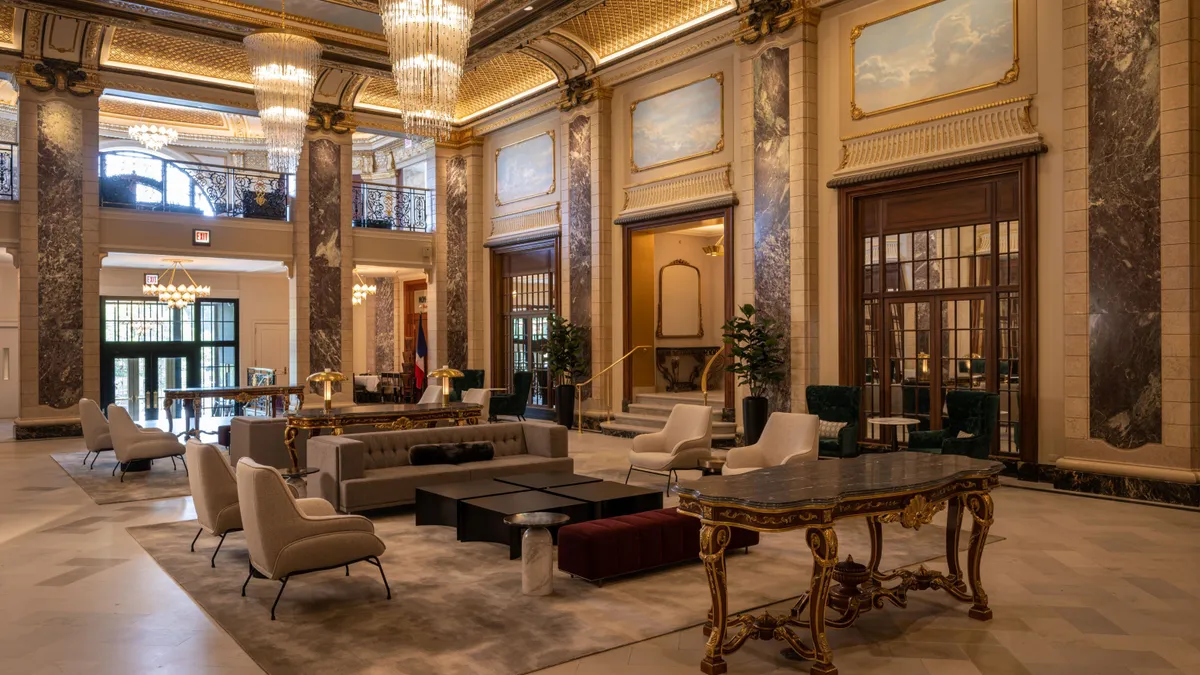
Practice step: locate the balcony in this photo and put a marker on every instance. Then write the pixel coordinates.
(136, 180)
(8, 172)
(387, 207)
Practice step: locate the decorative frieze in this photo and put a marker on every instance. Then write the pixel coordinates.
(697, 190)
(1001, 129)
(519, 223)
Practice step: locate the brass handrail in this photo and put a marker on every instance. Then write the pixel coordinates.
(704, 376)
(579, 387)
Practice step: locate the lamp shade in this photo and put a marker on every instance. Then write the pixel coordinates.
(446, 371)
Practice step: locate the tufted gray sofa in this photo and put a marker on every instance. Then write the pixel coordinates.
(357, 472)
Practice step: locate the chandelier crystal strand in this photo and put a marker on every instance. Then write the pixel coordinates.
(427, 41)
(152, 136)
(285, 67)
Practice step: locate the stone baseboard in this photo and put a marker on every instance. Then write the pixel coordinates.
(43, 429)
(1105, 485)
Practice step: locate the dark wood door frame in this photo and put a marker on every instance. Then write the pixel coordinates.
(850, 252)
(726, 213)
(499, 361)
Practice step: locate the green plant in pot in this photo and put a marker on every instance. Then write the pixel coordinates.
(565, 359)
(757, 357)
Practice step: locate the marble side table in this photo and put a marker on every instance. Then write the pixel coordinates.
(537, 555)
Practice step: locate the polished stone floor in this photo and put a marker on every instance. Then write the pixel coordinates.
(1078, 585)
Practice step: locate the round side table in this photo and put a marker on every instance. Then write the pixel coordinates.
(298, 479)
(537, 557)
(712, 466)
(895, 423)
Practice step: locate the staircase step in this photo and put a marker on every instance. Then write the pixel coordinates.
(616, 428)
(662, 410)
(655, 422)
(716, 399)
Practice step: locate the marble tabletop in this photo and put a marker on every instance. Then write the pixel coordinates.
(398, 408)
(825, 483)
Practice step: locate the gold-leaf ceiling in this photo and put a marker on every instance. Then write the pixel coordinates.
(165, 113)
(200, 59)
(8, 16)
(619, 24)
(500, 79)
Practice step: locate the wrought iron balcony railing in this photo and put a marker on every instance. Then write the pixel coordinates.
(8, 172)
(392, 208)
(136, 180)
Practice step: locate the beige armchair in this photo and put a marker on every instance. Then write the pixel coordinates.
(433, 394)
(789, 438)
(288, 536)
(214, 493)
(482, 397)
(131, 443)
(683, 442)
(96, 436)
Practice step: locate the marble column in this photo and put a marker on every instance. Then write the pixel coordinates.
(385, 324)
(455, 251)
(59, 261)
(1124, 223)
(579, 226)
(772, 204)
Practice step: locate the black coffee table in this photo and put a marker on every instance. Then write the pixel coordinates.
(549, 479)
(609, 500)
(482, 519)
(439, 504)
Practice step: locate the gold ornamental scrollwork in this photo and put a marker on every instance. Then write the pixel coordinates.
(329, 117)
(55, 75)
(917, 512)
(764, 18)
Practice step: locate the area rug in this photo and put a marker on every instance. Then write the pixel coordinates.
(160, 482)
(457, 607)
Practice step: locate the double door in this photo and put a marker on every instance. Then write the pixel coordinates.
(137, 379)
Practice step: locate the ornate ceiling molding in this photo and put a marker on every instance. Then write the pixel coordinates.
(681, 193)
(518, 226)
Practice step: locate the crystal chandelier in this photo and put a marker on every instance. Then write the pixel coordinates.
(427, 40)
(284, 67)
(361, 290)
(152, 136)
(176, 296)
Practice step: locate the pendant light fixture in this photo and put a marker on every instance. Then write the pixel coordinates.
(176, 295)
(152, 136)
(285, 67)
(361, 290)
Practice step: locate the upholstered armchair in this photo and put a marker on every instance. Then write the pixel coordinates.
(833, 403)
(789, 438)
(482, 397)
(513, 404)
(288, 536)
(972, 418)
(471, 379)
(683, 442)
(214, 493)
(433, 394)
(131, 443)
(96, 436)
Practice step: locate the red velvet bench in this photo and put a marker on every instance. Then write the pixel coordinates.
(601, 549)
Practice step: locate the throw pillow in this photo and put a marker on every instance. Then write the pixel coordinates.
(428, 453)
(963, 434)
(477, 451)
(831, 429)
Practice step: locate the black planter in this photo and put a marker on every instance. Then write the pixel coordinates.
(755, 411)
(564, 404)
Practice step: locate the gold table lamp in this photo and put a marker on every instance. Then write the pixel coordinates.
(327, 377)
(446, 372)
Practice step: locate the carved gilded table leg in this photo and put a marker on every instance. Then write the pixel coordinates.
(289, 440)
(954, 509)
(824, 545)
(713, 540)
(980, 505)
(875, 533)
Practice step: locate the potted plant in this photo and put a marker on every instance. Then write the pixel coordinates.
(757, 360)
(564, 357)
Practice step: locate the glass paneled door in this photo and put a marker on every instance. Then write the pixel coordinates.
(139, 381)
(525, 287)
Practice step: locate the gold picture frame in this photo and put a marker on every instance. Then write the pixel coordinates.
(658, 332)
(720, 145)
(553, 169)
(1009, 77)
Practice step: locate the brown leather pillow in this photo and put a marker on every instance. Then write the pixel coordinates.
(450, 453)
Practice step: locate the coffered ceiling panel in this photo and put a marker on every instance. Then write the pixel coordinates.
(8, 28)
(127, 107)
(140, 50)
(500, 79)
(620, 24)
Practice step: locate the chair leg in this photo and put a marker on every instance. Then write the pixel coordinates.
(628, 473)
(245, 583)
(122, 474)
(375, 562)
(197, 537)
(668, 483)
(184, 463)
(94, 460)
(115, 467)
(347, 570)
(173, 466)
(86, 455)
(213, 562)
(278, 596)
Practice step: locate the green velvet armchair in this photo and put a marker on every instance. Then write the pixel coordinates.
(512, 404)
(974, 412)
(833, 403)
(471, 379)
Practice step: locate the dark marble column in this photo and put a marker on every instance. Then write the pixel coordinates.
(456, 264)
(325, 255)
(772, 204)
(1124, 225)
(579, 226)
(385, 324)
(60, 254)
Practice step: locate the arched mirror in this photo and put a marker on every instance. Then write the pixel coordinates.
(679, 309)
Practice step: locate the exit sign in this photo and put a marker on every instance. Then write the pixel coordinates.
(201, 238)
(151, 280)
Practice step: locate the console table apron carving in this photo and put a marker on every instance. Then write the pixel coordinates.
(391, 417)
(908, 488)
(191, 397)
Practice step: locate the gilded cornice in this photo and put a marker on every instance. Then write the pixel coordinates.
(326, 117)
(526, 34)
(52, 75)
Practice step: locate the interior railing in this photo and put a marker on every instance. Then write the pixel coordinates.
(608, 389)
(8, 172)
(389, 207)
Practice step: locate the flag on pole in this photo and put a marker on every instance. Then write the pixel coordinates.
(421, 352)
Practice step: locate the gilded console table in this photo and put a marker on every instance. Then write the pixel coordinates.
(192, 396)
(907, 487)
(394, 417)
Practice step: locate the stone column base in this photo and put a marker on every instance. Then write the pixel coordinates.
(58, 427)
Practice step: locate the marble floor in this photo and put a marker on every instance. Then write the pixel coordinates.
(1078, 585)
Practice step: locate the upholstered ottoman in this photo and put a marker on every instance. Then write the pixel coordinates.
(600, 549)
